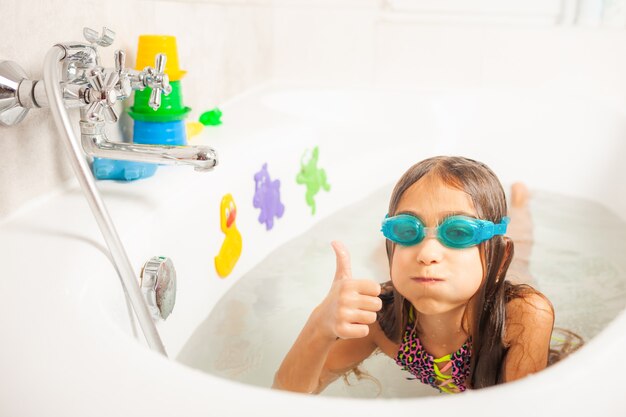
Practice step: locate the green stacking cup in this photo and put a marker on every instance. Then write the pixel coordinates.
(172, 107)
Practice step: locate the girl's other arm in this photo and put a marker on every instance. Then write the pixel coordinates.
(528, 330)
(314, 361)
(317, 357)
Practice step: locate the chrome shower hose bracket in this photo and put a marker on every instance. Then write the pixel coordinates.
(158, 286)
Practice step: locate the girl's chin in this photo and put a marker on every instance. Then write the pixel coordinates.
(431, 308)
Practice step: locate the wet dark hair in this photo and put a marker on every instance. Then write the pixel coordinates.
(486, 312)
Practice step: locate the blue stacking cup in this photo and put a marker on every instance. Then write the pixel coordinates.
(111, 169)
(160, 133)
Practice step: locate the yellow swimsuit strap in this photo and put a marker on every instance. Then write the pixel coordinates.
(447, 385)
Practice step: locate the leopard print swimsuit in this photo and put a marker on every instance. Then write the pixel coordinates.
(450, 378)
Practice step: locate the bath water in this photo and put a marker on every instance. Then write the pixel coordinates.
(577, 260)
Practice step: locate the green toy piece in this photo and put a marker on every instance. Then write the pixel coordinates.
(313, 177)
(211, 118)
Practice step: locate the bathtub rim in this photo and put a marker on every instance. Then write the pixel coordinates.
(610, 335)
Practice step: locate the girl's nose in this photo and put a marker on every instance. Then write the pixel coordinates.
(430, 250)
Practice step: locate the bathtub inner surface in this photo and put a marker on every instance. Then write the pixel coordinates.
(577, 262)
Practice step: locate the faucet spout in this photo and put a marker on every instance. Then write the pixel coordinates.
(95, 143)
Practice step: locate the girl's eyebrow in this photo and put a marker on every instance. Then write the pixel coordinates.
(447, 214)
(409, 212)
(442, 216)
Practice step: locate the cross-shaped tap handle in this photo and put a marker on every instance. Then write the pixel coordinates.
(124, 84)
(101, 95)
(158, 81)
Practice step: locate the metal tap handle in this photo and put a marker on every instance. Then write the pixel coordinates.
(158, 81)
(124, 88)
(120, 61)
(159, 63)
(101, 95)
(93, 36)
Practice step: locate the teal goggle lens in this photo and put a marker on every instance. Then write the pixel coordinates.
(455, 232)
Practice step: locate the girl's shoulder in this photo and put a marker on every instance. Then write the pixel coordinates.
(528, 313)
(528, 328)
(522, 298)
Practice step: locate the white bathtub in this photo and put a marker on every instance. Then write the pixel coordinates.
(70, 349)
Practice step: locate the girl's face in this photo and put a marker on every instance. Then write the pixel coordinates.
(434, 278)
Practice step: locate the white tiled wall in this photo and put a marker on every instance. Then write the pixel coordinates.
(228, 46)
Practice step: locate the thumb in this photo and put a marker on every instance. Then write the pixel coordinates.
(344, 269)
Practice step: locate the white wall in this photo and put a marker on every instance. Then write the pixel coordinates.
(434, 45)
(229, 46)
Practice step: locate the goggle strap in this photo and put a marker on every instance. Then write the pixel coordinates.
(500, 228)
(489, 229)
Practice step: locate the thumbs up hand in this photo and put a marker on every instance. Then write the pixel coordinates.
(351, 304)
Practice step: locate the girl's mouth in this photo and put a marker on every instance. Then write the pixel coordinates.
(426, 280)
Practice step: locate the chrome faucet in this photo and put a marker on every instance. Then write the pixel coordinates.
(95, 90)
(82, 82)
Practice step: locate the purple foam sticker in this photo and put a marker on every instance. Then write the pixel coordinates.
(267, 197)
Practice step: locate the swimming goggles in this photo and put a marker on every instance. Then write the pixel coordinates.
(456, 232)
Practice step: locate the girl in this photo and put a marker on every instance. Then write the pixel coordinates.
(448, 315)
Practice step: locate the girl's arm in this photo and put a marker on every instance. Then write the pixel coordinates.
(528, 330)
(317, 357)
(315, 361)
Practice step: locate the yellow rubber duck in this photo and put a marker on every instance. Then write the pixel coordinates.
(231, 248)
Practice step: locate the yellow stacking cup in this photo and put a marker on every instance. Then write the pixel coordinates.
(150, 45)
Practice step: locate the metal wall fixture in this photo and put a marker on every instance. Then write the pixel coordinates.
(158, 286)
(73, 77)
